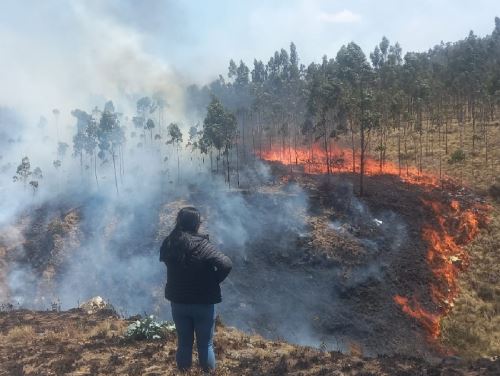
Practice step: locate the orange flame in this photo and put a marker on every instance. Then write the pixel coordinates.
(454, 225)
(428, 320)
(341, 159)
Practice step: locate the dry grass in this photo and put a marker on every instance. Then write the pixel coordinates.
(22, 333)
(53, 337)
(106, 329)
(84, 333)
(479, 170)
(472, 328)
(355, 349)
(72, 351)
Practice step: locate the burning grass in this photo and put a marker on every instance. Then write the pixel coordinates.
(473, 326)
(369, 305)
(467, 264)
(342, 160)
(446, 258)
(452, 223)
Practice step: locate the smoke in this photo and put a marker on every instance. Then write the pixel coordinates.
(75, 55)
(65, 56)
(92, 241)
(79, 235)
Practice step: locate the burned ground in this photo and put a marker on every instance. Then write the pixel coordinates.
(314, 264)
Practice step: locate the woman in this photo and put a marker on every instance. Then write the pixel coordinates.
(194, 271)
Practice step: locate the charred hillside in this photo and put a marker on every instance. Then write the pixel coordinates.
(314, 264)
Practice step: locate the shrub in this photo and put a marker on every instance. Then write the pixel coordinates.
(21, 334)
(494, 192)
(104, 329)
(148, 328)
(457, 156)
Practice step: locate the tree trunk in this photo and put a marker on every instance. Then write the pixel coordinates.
(353, 147)
(473, 126)
(114, 168)
(446, 136)
(242, 140)
(95, 168)
(217, 162)
(253, 141)
(486, 145)
(325, 139)
(237, 165)
(228, 172)
(399, 144)
(178, 165)
(362, 160)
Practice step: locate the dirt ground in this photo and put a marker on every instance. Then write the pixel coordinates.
(76, 343)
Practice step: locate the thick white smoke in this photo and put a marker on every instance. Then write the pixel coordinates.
(74, 55)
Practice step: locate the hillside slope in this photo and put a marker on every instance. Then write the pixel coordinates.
(76, 343)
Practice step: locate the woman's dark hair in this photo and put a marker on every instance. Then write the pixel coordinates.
(188, 220)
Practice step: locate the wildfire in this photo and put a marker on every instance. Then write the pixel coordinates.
(428, 320)
(341, 160)
(450, 228)
(446, 258)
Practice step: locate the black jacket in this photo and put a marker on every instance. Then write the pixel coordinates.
(194, 269)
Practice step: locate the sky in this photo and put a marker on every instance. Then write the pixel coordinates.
(68, 52)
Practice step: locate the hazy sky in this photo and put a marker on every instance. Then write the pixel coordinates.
(55, 49)
(205, 34)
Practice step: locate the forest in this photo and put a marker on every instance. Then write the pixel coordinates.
(327, 116)
(363, 103)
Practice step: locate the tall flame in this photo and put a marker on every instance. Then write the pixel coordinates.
(446, 233)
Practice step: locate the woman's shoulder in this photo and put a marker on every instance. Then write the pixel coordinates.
(195, 241)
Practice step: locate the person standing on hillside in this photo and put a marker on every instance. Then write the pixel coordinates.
(195, 270)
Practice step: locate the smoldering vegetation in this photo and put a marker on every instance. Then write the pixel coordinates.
(84, 233)
(92, 227)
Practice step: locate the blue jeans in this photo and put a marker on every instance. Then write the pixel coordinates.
(190, 319)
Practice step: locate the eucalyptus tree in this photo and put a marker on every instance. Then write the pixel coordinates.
(387, 62)
(150, 125)
(80, 138)
(34, 186)
(145, 108)
(37, 176)
(219, 129)
(56, 114)
(324, 107)
(357, 80)
(160, 104)
(62, 147)
(91, 143)
(175, 135)
(23, 171)
(110, 136)
(57, 164)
